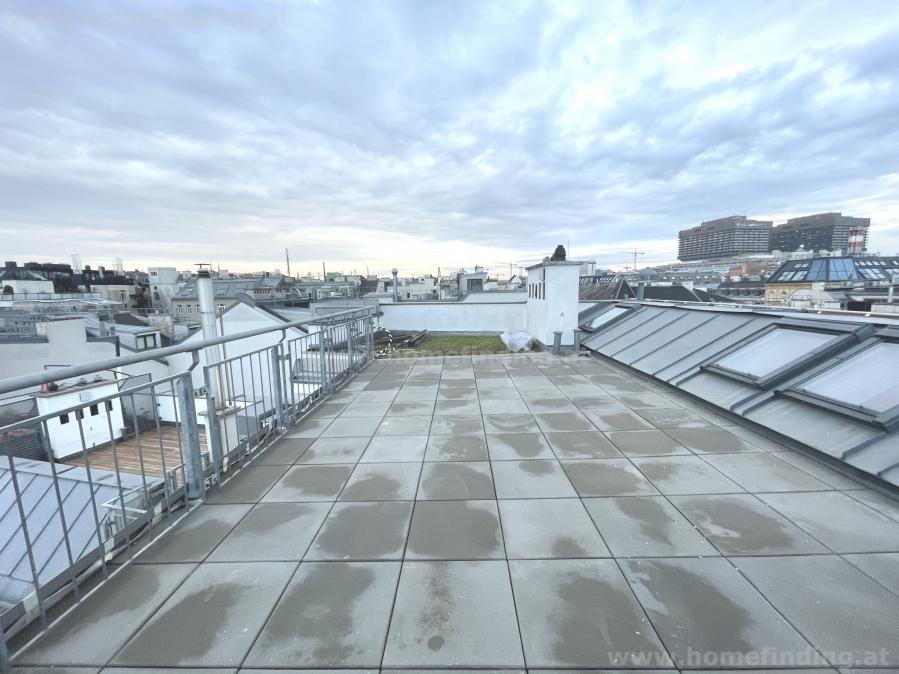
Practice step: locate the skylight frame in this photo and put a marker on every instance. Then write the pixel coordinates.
(887, 418)
(842, 336)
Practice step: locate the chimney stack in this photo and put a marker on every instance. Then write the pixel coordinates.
(206, 297)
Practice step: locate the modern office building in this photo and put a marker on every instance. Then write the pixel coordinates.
(725, 237)
(822, 231)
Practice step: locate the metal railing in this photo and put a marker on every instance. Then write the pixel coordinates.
(123, 451)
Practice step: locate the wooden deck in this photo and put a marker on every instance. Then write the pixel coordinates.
(129, 459)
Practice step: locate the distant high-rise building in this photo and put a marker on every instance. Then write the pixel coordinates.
(724, 237)
(822, 231)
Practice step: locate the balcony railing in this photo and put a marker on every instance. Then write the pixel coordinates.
(118, 454)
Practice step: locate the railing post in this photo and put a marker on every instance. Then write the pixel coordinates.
(190, 439)
(369, 338)
(322, 354)
(213, 432)
(277, 389)
(351, 346)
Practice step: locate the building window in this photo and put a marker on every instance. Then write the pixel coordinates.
(145, 342)
(109, 406)
(95, 410)
(221, 308)
(180, 309)
(156, 296)
(190, 308)
(63, 418)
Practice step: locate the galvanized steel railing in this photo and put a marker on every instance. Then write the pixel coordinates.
(140, 450)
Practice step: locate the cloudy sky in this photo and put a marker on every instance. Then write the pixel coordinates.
(429, 133)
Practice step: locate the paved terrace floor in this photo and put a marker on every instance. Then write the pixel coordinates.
(508, 513)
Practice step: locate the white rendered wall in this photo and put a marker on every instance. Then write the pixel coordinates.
(455, 316)
(65, 439)
(555, 306)
(66, 345)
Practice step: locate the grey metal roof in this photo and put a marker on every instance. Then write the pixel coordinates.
(35, 481)
(828, 382)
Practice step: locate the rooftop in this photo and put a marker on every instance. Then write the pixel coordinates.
(509, 512)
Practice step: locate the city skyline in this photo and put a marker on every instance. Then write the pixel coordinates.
(430, 135)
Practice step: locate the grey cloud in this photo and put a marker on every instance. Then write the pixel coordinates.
(167, 122)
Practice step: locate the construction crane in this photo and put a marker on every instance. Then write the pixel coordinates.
(635, 253)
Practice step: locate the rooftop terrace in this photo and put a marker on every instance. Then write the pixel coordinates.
(508, 512)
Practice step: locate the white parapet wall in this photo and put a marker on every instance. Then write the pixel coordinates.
(484, 317)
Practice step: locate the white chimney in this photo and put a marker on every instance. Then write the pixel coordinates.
(213, 354)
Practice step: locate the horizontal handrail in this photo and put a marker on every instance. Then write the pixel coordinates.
(47, 376)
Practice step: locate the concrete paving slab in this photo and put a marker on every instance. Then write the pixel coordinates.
(247, 485)
(411, 394)
(454, 614)
(382, 482)
(646, 526)
(330, 408)
(395, 449)
(510, 423)
(882, 567)
(646, 443)
(344, 427)
(838, 521)
(639, 401)
(829, 476)
(96, 629)
(456, 480)
(711, 440)
(284, 452)
(531, 479)
(518, 447)
(503, 406)
(549, 405)
(195, 535)
(310, 483)
(450, 393)
(363, 531)
(359, 409)
(456, 448)
(309, 428)
(272, 532)
(419, 425)
(580, 613)
(457, 408)
(764, 472)
(672, 417)
(556, 422)
(845, 614)
(212, 619)
(740, 524)
(685, 475)
(384, 396)
(549, 528)
(333, 614)
(409, 409)
(704, 609)
(455, 530)
(335, 450)
(457, 425)
(607, 477)
(581, 445)
(618, 421)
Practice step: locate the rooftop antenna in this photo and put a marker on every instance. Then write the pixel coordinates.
(287, 255)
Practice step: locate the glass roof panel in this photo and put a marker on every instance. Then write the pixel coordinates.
(773, 350)
(862, 380)
(607, 316)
